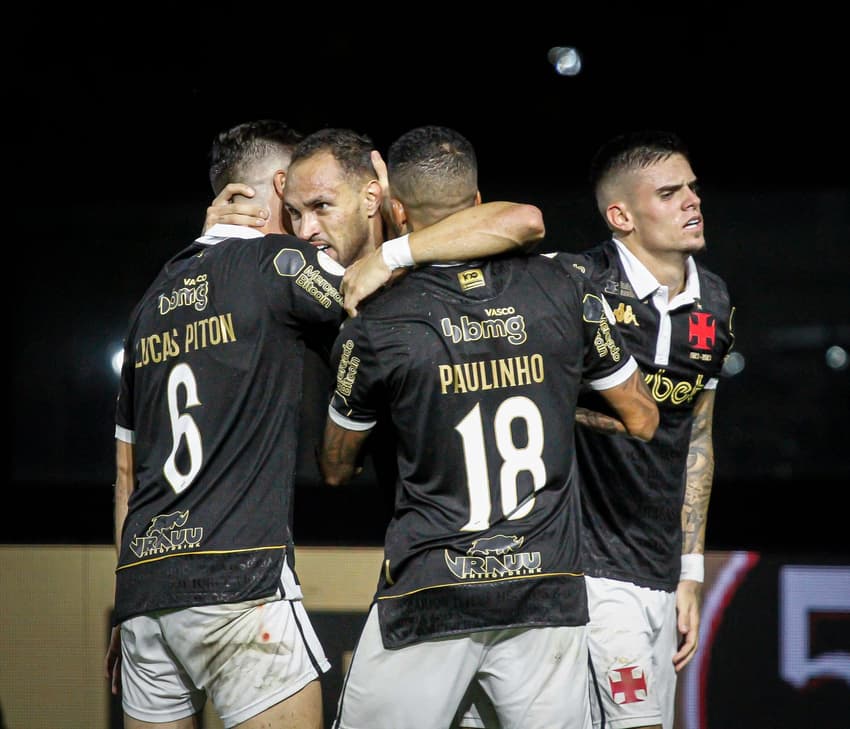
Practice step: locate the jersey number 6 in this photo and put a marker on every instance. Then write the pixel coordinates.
(183, 426)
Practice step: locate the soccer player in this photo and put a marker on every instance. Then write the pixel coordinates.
(645, 504)
(480, 365)
(207, 600)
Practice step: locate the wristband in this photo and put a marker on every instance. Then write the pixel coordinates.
(396, 253)
(693, 568)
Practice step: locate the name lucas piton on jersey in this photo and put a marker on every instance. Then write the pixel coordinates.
(216, 330)
(198, 334)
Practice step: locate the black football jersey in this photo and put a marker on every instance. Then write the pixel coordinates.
(210, 395)
(481, 366)
(632, 492)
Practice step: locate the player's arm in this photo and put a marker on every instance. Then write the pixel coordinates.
(351, 415)
(486, 229)
(339, 456)
(633, 405)
(223, 209)
(610, 370)
(700, 475)
(124, 482)
(699, 478)
(600, 422)
(125, 466)
(475, 232)
(481, 230)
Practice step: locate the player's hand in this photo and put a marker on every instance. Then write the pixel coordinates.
(362, 279)
(688, 598)
(224, 210)
(113, 661)
(390, 227)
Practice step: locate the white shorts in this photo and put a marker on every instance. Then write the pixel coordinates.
(632, 638)
(245, 657)
(536, 678)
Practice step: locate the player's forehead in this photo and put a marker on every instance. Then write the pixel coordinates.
(672, 171)
(318, 176)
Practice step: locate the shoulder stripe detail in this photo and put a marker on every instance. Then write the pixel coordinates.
(125, 434)
(617, 378)
(348, 423)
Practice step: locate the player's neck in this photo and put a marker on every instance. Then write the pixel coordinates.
(376, 233)
(668, 267)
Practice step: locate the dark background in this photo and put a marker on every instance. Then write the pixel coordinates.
(110, 128)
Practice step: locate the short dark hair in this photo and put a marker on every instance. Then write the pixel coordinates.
(634, 150)
(349, 148)
(433, 166)
(234, 149)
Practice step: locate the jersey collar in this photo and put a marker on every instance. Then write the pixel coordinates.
(220, 231)
(644, 284)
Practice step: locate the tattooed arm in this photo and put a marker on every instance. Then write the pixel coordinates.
(700, 474)
(601, 423)
(636, 412)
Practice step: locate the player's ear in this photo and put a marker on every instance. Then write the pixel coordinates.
(477, 197)
(619, 218)
(279, 182)
(374, 196)
(399, 215)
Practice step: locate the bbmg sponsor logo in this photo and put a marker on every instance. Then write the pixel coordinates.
(511, 328)
(194, 293)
